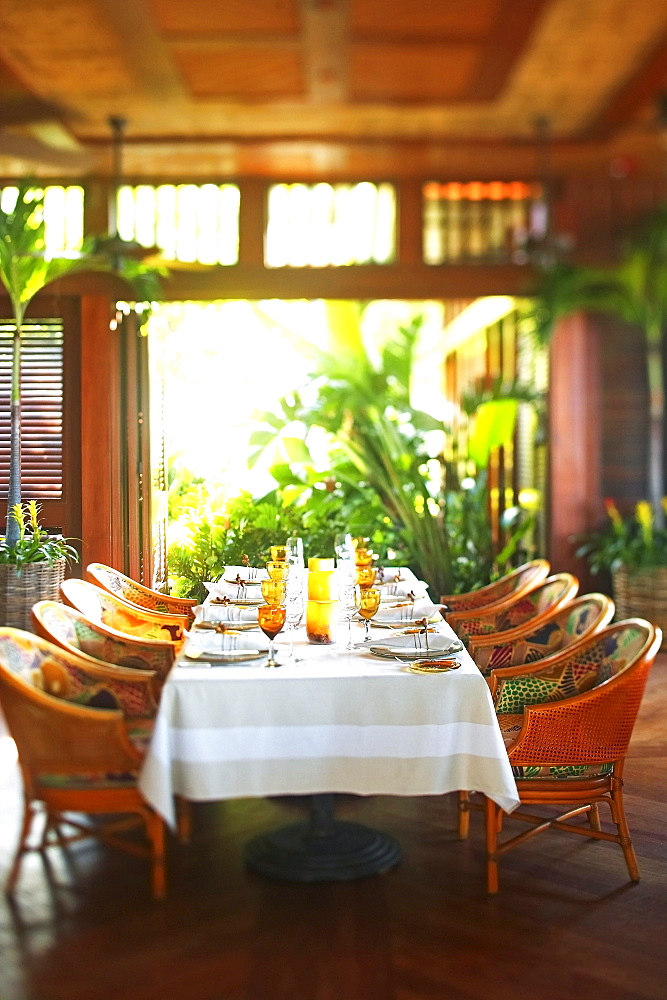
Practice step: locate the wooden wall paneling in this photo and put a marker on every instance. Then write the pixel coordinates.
(574, 500)
(100, 485)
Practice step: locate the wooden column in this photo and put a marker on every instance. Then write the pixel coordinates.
(574, 442)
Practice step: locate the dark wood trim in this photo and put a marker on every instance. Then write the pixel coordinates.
(622, 105)
(408, 281)
(505, 42)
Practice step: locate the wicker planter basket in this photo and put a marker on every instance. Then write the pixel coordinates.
(642, 593)
(37, 582)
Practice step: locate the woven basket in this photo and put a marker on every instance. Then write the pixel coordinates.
(642, 593)
(37, 582)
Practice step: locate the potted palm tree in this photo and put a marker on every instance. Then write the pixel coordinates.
(633, 549)
(32, 562)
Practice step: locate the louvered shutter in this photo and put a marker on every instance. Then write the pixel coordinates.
(42, 408)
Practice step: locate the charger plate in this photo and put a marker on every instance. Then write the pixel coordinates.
(432, 666)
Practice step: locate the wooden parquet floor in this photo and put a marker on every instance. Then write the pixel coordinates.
(566, 924)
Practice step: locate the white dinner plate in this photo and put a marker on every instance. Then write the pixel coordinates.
(403, 647)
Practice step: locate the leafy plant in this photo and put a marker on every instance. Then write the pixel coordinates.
(33, 543)
(634, 541)
(380, 444)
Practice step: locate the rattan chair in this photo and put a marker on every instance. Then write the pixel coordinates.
(574, 621)
(532, 607)
(136, 593)
(567, 727)
(513, 584)
(71, 630)
(79, 749)
(103, 608)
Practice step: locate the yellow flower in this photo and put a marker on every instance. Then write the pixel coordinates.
(644, 516)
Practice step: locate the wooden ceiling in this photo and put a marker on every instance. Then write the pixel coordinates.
(313, 88)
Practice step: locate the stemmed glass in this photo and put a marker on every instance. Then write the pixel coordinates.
(368, 602)
(347, 607)
(365, 576)
(271, 618)
(273, 592)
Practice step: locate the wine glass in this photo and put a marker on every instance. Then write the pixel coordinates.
(279, 553)
(365, 577)
(273, 592)
(294, 549)
(347, 607)
(368, 602)
(277, 570)
(271, 618)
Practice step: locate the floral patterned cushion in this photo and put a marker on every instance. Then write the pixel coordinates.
(533, 604)
(575, 674)
(556, 634)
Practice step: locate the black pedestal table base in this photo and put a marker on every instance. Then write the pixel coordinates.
(322, 849)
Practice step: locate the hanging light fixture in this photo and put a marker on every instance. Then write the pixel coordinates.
(113, 245)
(541, 245)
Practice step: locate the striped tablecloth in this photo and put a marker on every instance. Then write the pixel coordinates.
(330, 722)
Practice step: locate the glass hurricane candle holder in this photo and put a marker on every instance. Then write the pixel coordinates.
(321, 619)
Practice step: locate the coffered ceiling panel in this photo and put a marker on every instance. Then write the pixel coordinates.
(376, 86)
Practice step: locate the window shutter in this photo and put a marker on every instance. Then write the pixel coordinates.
(42, 408)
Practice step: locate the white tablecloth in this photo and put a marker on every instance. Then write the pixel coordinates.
(331, 722)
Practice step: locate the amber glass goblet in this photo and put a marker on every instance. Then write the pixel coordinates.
(277, 570)
(368, 602)
(273, 592)
(279, 553)
(271, 618)
(365, 577)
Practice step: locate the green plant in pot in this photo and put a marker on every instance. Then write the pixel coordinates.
(27, 553)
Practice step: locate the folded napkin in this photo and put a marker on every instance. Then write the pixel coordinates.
(235, 592)
(403, 588)
(414, 646)
(394, 611)
(224, 613)
(245, 572)
(401, 574)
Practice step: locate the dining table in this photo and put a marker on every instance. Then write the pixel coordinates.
(326, 721)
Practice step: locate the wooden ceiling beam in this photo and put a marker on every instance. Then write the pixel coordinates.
(143, 49)
(324, 38)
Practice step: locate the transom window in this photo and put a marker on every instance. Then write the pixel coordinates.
(480, 222)
(188, 222)
(330, 225)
